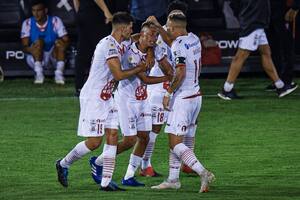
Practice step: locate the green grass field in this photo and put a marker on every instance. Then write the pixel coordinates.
(252, 145)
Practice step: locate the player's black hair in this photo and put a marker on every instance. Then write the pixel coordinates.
(36, 2)
(178, 5)
(177, 17)
(121, 18)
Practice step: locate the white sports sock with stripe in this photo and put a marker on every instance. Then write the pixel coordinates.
(146, 162)
(109, 157)
(134, 163)
(188, 157)
(75, 154)
(174, 166)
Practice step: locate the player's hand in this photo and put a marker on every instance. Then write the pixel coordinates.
(166, 103)
(60, 43)
(108, 17)
(142, 66)
(153, 20)
(150, 62)
(290, 15)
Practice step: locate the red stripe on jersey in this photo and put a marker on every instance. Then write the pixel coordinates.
(112, 58)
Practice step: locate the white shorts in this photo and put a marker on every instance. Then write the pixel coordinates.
(253, 40)
(95, 116)
(159, 115)
(183, 115)
(134, 116)
(47, 59)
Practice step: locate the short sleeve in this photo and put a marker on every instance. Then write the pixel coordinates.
(111, 50)
(59, 27)
(159, 53)
(178, 52)
(25, 31)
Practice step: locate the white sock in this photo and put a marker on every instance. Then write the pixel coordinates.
(174, 167)
(228, 86)
(99, 160)
(109, 159)
(38, 68)
(188, 157)
(75, 154)
(189, 139)
(146, 162)
(189, 142)
(279, 84)
(134, 163)
(60, 65)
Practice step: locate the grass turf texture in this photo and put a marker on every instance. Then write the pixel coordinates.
(252, 145)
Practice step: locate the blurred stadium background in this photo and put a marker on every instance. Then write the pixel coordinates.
(211, 18)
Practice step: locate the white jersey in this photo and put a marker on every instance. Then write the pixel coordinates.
(187, 50)
(100, 82)
(133, 87)
(156, 71)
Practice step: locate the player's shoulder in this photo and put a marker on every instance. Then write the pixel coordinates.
(109, 42)
(27, 22)
(55, 19)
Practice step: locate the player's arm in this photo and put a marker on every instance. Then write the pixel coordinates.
(151, 79)
(114, 65)
(33, 49)
(178, 79)
(163, 33)
(76, 4)
(166, 67)
(150, 58)
(104, 8)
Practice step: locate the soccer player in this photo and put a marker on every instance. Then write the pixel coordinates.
(44, 39)
(254, 17)
(183, 100)
(98, 112)
(156, 93)
(132, 101)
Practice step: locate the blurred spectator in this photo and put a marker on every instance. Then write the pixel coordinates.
(142, 9)
(93, 17)
(280, 35)
(44, 39)
(254, 17)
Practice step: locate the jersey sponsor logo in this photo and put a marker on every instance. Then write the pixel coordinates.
(112, 52)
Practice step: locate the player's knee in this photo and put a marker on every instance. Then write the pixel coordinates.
(39, 44)
(144, 138)
(129, 141)
(93, 143)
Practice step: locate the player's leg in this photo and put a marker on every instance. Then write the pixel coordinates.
(35, 61)
(59, 54)
(136, 159)
(189, 141)
(146, 167)
(270, 69)
(81, 149)
(91, 126)
(236, 65)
